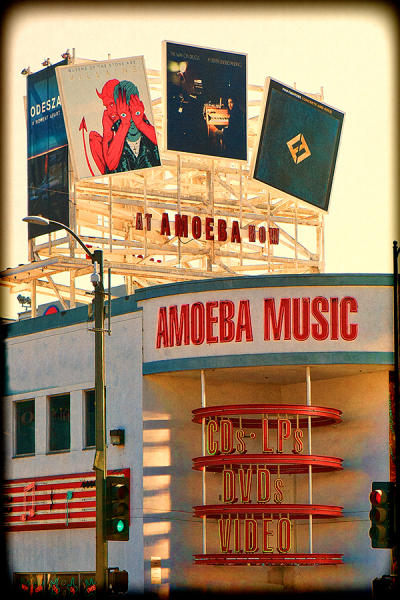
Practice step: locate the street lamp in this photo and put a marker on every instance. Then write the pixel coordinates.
(100, 462)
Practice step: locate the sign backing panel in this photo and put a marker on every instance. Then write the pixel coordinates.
(297, 144)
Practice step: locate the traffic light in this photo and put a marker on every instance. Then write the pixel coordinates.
(117, 581)
(382, 516)
(117, 508)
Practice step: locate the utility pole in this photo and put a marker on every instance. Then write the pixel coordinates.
(100, 463)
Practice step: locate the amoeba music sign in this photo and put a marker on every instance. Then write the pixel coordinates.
(279, 320)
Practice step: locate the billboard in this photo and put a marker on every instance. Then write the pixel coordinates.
(47, 151)
(48, 190)
(205, 101)
(297, 144)
(108, 114)
(46, 129)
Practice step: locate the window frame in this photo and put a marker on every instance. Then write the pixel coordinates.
(87, 446)
(49, 430)
(16, 404)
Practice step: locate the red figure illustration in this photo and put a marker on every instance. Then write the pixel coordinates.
(99, 144)
(124, 125)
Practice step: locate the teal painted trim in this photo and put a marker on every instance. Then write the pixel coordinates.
(258, 281)
(127, 304)
(29, 393)
(279, 358)
(123, 305)
(65, 318)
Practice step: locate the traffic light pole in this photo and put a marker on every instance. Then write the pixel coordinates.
(396, 549)
(100, 464)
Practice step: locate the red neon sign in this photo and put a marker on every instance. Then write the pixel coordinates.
(223, 321)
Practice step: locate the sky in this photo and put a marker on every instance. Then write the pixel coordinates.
(348, 49)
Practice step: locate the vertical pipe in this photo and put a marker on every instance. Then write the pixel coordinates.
(322, 250)
(72, 301)
(31, 255)
(178, 199)
(145, 212)
(203, 449)
(33, 298)
(72, 224)
(210, 211)
(268, 226)
(310, 498)
(296, 233)
(241, 210)
(110, 212)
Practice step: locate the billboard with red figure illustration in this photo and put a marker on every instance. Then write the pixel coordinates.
(109, 120)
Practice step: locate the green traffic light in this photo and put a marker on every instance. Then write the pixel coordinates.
(120, 526)
(117, 508)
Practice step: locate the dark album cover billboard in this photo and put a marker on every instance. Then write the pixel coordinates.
(297, 144)
(205, 101)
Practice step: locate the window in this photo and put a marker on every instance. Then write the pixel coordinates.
(60, 435)
(25, 427)
(155, 569)
(90, 421)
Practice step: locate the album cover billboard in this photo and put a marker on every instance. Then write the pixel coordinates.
(45, 121)
(47, 151)
(48, 190)
(108, 115)
(205, 101)
(297, 144)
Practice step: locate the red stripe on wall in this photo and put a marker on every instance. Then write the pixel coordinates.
(32, 504)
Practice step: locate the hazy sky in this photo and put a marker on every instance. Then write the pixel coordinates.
(351, 52)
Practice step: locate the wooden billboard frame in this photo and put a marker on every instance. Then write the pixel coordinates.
(102, 210)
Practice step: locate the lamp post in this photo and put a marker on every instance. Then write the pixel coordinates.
(100, 462)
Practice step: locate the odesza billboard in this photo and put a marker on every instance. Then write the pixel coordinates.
(297, 144)
(205, 101)
(47, 151)
(108, 113)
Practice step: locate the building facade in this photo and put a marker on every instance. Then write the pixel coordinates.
(256, 414)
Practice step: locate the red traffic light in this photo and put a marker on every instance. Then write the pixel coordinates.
(382, 530)
(377, 497)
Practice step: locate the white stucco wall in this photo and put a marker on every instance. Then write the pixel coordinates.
(57, 361)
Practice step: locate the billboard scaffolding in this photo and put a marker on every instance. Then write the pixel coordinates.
(195, 217)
